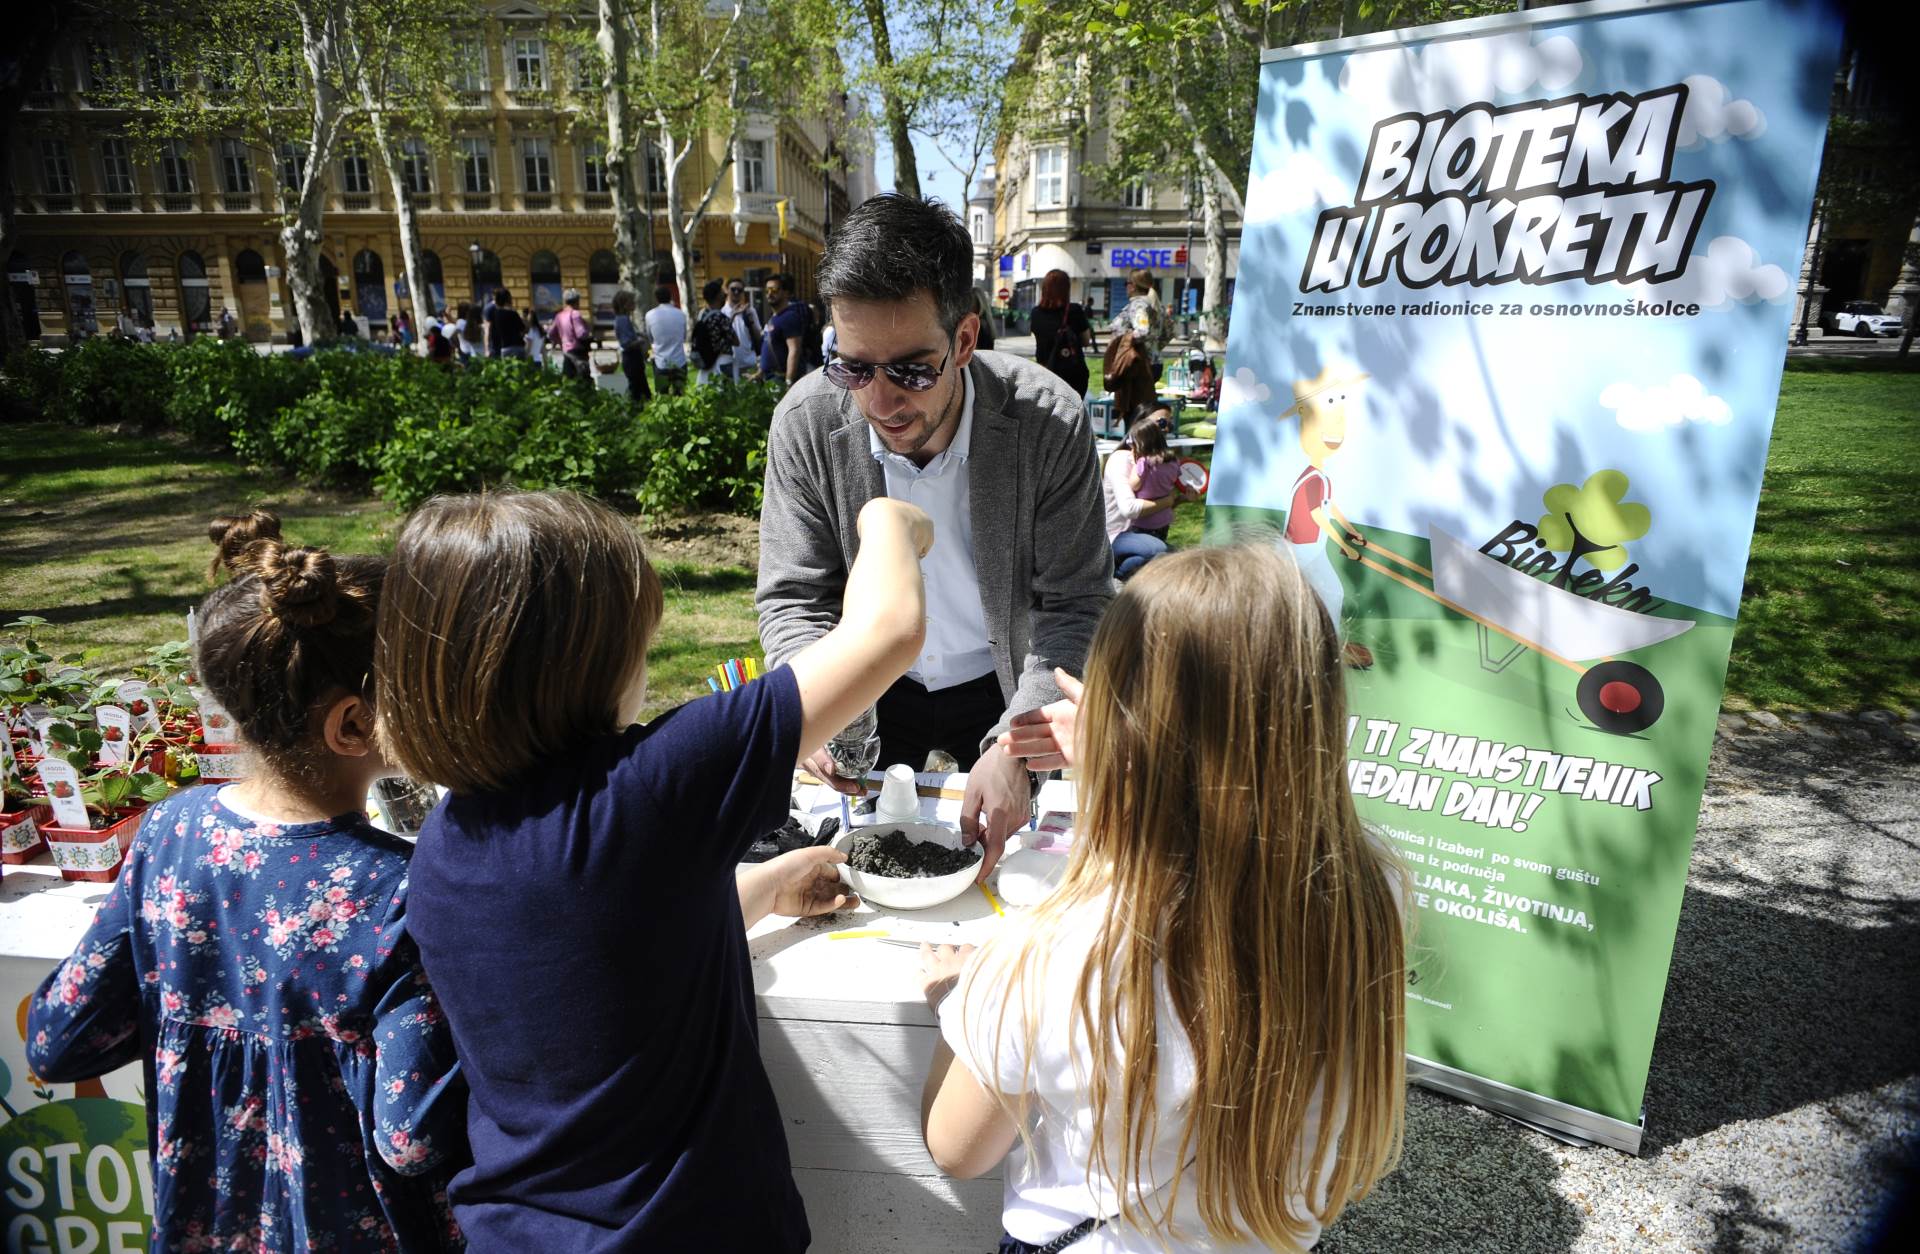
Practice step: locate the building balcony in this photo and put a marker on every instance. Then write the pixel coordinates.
(356, 202)
(757, 205)
(535, 202)
(175, 202)
(119, 202)
(477, 202)
(238, 202)
(482, 99)
(596, 202)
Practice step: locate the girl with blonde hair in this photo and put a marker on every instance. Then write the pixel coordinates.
(1195, 1043)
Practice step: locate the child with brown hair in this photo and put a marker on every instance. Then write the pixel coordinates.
(1195, 1043)
(576, 897)
(232, 533)
(1156, 474)
(255, 956)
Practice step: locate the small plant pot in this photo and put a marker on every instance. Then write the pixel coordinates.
(20, 838)
(92, 856)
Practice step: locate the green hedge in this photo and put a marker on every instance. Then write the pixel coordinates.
(406, 427)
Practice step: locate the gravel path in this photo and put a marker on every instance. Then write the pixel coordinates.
(1784, 1103)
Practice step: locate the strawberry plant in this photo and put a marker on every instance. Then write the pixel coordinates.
(108, 788)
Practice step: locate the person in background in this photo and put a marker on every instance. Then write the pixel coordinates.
(1155, 476)
(486, 323)
(255, 954)
(783, 349)
(348, 328)
(439, 346)
(468, 336)
(746, 328)
(575, 336)
(667, 328)
(402, 329)
(1158, 1075)
(713, 338)
(1146, 317)
(1131, 549)
(617, 1105)
(983, 310)
(227, 325)
(508, 331)
(630, 334)
(1061, 332)
(537, 336)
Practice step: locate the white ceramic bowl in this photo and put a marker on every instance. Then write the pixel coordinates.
(907, 894)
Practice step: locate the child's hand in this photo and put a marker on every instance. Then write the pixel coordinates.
(805, 882)
(1045, 737)
(884, 511)
(940, 967)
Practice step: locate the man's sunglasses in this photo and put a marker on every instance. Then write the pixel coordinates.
(912, 375)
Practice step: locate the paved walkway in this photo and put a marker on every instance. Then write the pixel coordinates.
(1784, 1102)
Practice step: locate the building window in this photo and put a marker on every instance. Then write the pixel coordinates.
(356, 174)
(236, 167)
(656, 172)
(476, 166)
(529, 65)
(116, 168)
(753, 165)
(176, 168)
(593, 167)
(56, 167)
(979, 227)
(470, 62)
(1050, 177)
(536, 163)
(416, 167)
(293, 166)
(102, 69)
(1134, 196)
(160, 76)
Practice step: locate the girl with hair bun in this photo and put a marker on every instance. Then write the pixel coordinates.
(302, 1090)
(232, 533)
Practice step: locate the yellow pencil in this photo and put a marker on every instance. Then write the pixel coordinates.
(992, 900)
(857, 934)
(726, 685)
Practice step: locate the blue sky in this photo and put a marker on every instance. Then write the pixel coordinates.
(937, 178)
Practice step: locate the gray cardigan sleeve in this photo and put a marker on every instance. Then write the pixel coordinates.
(803, 572)
(1072, 563)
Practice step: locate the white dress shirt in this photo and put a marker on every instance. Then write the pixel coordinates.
(957, 647)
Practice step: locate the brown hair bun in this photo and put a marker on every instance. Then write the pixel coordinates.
(298, 586)
(232, 533)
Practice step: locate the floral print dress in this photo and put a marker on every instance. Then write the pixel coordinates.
(302, 1091)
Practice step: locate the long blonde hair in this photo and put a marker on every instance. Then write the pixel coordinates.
(1216, 826)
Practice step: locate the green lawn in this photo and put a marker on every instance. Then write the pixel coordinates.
(104, 535)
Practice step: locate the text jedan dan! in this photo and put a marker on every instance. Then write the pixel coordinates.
(1539, 192)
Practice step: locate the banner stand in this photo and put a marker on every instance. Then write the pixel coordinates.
(1570, 1124)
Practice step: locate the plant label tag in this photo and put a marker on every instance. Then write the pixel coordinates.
(116, 732)
(193, 628)
(221, 765)
(7, 765)
(139, 702)
(215, 723)
(63, 793)
(40, 726)
(30, 716)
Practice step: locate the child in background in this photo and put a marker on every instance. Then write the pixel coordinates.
(255, 958)
(1196, 1041)
(1156, 474)
(576, 897)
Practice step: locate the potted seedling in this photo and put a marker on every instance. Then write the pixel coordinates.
(20, 812)
(95, 809)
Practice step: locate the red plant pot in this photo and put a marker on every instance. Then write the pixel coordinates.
(20, 838)
(93, 856)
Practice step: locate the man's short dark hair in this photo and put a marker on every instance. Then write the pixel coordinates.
(893, 246)
(711, 292)
(783, 281)
(501, 296)
(662, 294)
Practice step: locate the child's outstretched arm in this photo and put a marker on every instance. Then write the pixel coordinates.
(798, 883)
(883, 624)
(84, 1020)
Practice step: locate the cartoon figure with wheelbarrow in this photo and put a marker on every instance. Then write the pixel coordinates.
(1312, 517)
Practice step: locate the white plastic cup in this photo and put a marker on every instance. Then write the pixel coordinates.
(899, 802)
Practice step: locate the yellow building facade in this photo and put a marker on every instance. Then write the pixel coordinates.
(513, 195)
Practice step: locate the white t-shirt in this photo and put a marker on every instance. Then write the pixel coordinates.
(667, 327)
(1053, 1190)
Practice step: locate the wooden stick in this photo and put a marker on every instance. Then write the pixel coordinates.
(1408, 562)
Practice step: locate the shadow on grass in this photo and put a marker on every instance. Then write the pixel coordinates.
(678, 577)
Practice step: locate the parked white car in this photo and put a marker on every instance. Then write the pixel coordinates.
(1863, 318)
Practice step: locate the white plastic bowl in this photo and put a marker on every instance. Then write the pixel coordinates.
(906, 894)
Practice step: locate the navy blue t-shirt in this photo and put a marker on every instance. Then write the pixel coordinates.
(790, 324)
(583, 933)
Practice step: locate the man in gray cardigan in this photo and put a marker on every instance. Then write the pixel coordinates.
(999, 454)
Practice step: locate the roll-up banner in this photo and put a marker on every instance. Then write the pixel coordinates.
(1514, 299)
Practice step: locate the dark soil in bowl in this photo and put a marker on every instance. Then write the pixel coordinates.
(894, 855)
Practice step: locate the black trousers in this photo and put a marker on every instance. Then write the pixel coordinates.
(914, 722)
